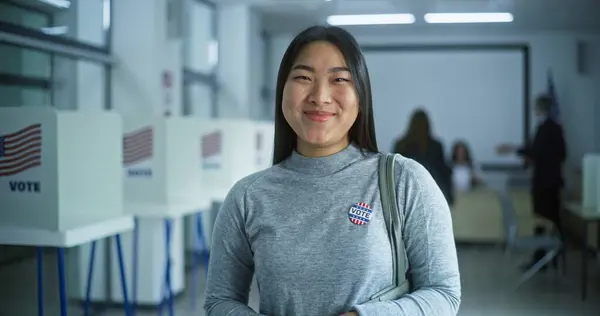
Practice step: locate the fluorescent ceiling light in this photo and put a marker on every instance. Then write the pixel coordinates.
(371, 19)
(487, 17)
(64, 4)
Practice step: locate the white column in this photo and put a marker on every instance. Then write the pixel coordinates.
(234, 69)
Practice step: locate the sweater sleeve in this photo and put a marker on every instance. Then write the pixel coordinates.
(231, 265)
(430, 248)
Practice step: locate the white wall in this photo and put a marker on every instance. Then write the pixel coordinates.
(578, 94)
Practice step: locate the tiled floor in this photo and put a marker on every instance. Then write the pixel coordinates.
(488, 279)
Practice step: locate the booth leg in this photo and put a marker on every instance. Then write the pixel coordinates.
(88, 290)
(40, 280)
(194, 278)
(168, 289)
(62, 287)
(134, 271)
(200, 249)
(202, 242)
(126, 305)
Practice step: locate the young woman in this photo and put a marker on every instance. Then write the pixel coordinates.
(465, 175)
(291, 227)
(418, 143)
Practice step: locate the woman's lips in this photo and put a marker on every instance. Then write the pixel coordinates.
(319, 116)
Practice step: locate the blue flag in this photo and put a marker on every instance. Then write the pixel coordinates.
(555, 111)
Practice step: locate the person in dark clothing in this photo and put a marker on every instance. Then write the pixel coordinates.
(546, 154)
(419, 144)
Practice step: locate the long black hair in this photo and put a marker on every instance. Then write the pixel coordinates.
(362, 132)
(455, 147)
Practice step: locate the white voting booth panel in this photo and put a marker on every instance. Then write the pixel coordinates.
(59, 170)
(160, 159)
(591, 182)
(162, 180)
(231, 150)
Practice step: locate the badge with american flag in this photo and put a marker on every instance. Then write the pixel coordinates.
(360, 213)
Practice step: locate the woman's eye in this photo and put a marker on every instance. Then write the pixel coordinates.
(341, 80)
(301, 78)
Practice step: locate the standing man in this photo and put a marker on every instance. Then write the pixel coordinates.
(546, 154)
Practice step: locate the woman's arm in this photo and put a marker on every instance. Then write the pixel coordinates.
(231, 266)
(430, 249)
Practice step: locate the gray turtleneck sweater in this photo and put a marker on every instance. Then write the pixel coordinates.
(290, 227)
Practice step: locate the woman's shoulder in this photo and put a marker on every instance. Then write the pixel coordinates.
(408, 169)
(245, 184)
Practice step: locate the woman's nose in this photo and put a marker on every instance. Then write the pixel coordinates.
(320, 94)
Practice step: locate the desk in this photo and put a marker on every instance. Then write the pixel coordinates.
(588, 216)
(16, 236)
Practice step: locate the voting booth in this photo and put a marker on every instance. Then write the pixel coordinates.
(59, 170)
(231, 149)
(161, 187)
(160, 159)
(590, 198)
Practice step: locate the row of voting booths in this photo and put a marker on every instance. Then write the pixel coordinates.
(62, 172)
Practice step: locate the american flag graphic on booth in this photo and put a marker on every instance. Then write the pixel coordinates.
(138, 146)
(211, 144)
(21, 150)
(360, 213)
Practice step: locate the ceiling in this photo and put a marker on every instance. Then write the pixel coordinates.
(289, 16)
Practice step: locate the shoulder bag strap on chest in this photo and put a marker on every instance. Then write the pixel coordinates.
(394, 220)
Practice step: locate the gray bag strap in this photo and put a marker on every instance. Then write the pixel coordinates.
(394, 220)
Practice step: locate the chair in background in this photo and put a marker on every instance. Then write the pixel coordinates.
(551, 242)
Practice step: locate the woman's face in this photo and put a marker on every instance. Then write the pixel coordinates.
(319, 100)
(461, 154)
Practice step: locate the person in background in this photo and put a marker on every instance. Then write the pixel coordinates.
(465, 175)
(293, 226)
(419, 144)
(546, 154)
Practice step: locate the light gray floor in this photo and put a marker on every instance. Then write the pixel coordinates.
(488, 279)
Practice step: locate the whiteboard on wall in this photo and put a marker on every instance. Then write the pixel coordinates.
(471, 95)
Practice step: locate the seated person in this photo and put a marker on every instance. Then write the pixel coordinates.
(465, 175)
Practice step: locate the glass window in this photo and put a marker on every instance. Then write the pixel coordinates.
(200, 48)
(38, 78)
(23, 16)
(84, 21)
(26, 77)
(24, 62)
(24, 96)
(78, 85)
(198, 99)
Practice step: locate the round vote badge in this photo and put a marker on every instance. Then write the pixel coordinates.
(360, 213)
